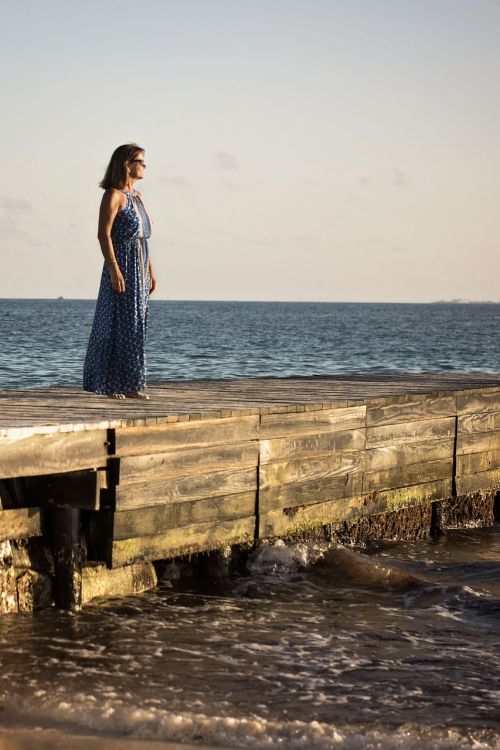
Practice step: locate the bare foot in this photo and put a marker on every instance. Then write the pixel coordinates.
(120, 396)
(137, 394)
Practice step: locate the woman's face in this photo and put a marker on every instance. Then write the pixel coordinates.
(137, 167)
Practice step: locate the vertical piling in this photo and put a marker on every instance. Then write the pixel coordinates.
(67, 553)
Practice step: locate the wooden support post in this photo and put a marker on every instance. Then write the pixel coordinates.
(67, 552)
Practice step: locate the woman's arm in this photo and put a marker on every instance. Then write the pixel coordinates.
(152, 277)
(112, 201)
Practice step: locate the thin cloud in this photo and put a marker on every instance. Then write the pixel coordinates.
(231, 186)
(177, 181)
(17, 206)
(263, 241)
(392, 247)
(223, 160)
(12, 234)
(301, 238)
(400, 179)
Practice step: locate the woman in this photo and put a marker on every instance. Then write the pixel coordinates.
(115, 364)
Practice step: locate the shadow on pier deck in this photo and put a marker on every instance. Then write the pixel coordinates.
(210, 463)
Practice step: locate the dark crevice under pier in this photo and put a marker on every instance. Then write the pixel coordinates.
(208, 464)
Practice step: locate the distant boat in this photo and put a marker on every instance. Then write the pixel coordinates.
(59, 298)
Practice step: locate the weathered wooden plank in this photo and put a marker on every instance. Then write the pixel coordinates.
(304, 469)
(473, 401)
(406, 432)
(180, 489)
(320, 444)
(20, 523)
(52, 453)
(187, 461)
(79, 489)
(473, 463)
(477, 442)
(482, 480)
(324, 420)
(487, 421)
(410, 409)
(131, 441)
(127, 580)
(393, 456)
(300, 518)
(416, 493)
(145, 521)
(404, 476)
(33, 425)
(308, 492)
(183, 541)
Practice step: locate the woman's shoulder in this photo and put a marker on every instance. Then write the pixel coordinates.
(114, 196)
(112, 191)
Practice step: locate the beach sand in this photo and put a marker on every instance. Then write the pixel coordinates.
(55, 739)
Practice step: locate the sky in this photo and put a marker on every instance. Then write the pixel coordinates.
(315, 150)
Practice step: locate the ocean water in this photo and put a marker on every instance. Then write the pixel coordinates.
(299, 653)
(397, 647)
(43, 342)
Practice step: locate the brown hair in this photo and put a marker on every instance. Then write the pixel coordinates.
(116, 173)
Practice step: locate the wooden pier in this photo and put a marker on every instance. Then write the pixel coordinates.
(210, 463)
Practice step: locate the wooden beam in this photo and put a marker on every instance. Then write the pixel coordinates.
(410, 409)
(417, 431)
(132, 441)
(149, 521)
(310, 491)
(303, 517)
(406, 476)
(325, 420)
(52, 453)
(483, 480)
(187, 461)
(279, 522)
(472, 463)
(183, 541)
(80, 489)
(477, 442)
(20, 523)
(401, 497)
(301, 469)
(488, 421)
(315, 444)
(180, 489)
(478, 400)
(395, 456)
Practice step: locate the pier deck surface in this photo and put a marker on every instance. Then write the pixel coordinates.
(62, 408)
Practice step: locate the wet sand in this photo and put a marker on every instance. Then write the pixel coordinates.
(54, 739)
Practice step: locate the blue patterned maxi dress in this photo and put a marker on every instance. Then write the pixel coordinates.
(116, 361)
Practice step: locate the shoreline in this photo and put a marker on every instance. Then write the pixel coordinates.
(37, 738)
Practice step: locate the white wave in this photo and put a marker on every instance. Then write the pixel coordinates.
(255, 732)
(279, 559)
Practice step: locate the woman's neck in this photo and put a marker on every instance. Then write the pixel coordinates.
(129, 186)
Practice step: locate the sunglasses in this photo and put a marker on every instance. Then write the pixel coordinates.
(138, 161)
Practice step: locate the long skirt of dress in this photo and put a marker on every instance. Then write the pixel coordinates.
(116, 360)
